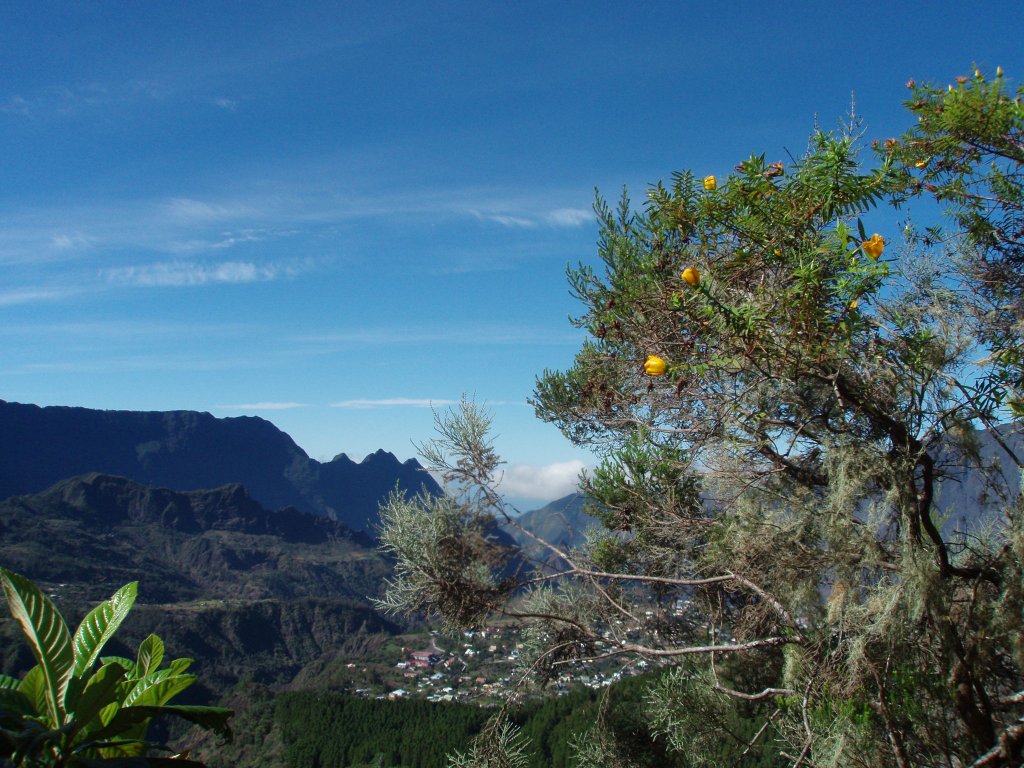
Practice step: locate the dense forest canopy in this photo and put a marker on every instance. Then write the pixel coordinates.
(777, 392)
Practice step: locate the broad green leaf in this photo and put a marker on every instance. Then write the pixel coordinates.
(100, 691)
(128, 664)
(33, 686)
(71, 694)
(151, 655)
(211, 718)
(179, 665)
(100, 625)
(47, 634)
(158, 688)
(6, 681)
(108, 712)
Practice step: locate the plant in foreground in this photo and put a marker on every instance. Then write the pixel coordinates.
(67, 711)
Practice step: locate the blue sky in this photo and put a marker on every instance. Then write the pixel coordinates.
(333, 214)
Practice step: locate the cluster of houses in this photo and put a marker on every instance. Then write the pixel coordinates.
(479, 668)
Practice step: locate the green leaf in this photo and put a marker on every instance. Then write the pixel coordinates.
(128, 664)
(100, 691)
(179, 665)
(158, 688)
(6, 681)
(100, 625)
(32, 685)
(47, 634)
(211, 718)
(151, 654)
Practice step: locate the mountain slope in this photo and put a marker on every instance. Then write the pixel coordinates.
(246, 591)
(562, 522)
(187, 450)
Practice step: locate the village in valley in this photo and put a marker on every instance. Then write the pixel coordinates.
(480, 666)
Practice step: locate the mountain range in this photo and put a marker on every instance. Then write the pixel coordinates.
(252, 558)
(188, 450)
(247, 592)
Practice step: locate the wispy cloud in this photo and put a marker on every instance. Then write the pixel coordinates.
(483, 334)
(513, 222)
(181, 273)
(64, 242)
(263, 406)
(35, 295)
(60, 101)
(134, 328)
(560, 217)
(223, 241)
(144, 363)
(198, 210)
(545, 482)
(569, 217)
(394, 402)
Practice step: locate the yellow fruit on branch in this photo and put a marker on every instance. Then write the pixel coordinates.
(691, 276)
(654, 366)
(710, 183)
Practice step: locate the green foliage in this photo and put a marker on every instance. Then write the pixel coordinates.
(771, 498)
(332, 729)
(67, 712)
(967, 151)
(329, 729)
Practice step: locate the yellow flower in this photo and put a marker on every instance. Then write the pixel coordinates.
(691, 276)
(710, 183)
(874, 245)
(654, 366)
(920, 163)
(853, 304)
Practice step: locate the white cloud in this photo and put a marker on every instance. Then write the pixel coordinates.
(57, 101)
(264, 406)
(223, 241)
(197, 210)
(545, 482)
(560, 217)
(69, 242)
(34, 295)
(504, 220)
(178, 274)
(569, 217)
(17, 105)
(415, 402)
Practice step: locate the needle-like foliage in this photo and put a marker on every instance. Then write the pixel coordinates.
(779, 394)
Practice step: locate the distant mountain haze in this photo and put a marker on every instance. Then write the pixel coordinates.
(189, 450)
(963, 500)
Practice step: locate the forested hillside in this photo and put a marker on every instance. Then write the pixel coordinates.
(301, 729)
(247, 592)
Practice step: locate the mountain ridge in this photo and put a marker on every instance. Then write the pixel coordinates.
(192, 450)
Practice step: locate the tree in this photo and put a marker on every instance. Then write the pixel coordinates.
(67, 711)
(777, 397)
